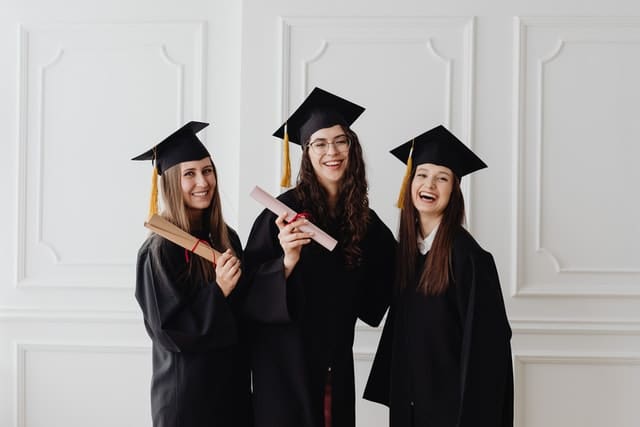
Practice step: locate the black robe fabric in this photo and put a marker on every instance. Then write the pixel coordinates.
(445, 360)
(303, 327)
(201, 371)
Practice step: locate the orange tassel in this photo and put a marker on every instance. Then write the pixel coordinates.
(285, 181)
(405, 179)
(153, 202)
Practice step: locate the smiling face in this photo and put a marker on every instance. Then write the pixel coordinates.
(329, 154)
(198, 183)
(430, 191)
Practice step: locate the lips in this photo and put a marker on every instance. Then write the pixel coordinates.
(199, 193)
(426, 196)
(333, 163)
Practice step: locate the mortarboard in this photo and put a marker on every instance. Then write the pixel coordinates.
(181, 146)
(440, 147)
(321, 109)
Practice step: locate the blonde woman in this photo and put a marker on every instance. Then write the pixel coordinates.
(189, 304)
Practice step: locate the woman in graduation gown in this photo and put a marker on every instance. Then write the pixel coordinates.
(190, 305)
(444, 358)
(305, 299)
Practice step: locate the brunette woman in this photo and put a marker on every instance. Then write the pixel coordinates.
(444, 359)
(190, 305)
(305, 299)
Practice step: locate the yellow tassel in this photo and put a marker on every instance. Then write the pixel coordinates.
(153, 203)
(405, 179)
(285, 181)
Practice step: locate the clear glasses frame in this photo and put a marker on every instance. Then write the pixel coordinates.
(340, 145)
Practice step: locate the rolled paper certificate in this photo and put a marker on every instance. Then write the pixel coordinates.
(277, 207)
(175, 234)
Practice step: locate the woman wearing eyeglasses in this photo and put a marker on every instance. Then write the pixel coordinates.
(304, 299)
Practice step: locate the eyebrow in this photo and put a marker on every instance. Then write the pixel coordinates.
(195, 169)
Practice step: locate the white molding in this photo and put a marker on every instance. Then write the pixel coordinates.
(586, 326)
(70, 315)
(582, 291)
(521, 25)
(539, 146)
(21, 199)
(575, 327)
(40, 157)
(573, 22)
(519, 41)
(200, 73)
(324, 46)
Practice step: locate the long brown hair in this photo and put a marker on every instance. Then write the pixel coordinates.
(352, 209)
(436, 273)
(175, 211)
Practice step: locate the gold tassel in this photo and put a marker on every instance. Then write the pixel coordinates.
(285, 181)
(153, 203)
(405, 179)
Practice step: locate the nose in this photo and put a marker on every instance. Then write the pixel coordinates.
(331, 148)
(200, 180)
(431, 182)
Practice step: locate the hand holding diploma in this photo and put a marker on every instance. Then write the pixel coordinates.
(279, 208)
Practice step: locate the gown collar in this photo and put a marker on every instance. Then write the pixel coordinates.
(425, 244)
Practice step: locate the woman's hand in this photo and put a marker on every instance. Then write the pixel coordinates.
(292, 240)
(228, 272)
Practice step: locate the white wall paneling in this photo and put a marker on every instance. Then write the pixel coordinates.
(545, 91)
(422, 66)
(576, 229)
(93, 96)
(53, 378)
(553, 388)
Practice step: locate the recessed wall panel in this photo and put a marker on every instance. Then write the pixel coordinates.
(576, 226)
(93, 96)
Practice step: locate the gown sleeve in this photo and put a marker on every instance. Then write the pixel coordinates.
(264, 261)
(376, 289)
(486, 366)
(179, 315)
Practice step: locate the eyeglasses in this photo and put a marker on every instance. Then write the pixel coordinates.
(321, 146)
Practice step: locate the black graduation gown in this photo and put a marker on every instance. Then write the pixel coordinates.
(304, 325)
(445, 361)
(200, 361)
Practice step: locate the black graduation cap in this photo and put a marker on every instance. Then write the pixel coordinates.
(181, 146)
(438, 146)
(321, 109)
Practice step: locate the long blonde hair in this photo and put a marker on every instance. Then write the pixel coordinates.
(175, 211)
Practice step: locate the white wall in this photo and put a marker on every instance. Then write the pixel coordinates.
(544, 91)
(86, 86)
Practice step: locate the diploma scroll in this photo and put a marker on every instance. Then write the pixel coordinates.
(278, 208)
(175, 234)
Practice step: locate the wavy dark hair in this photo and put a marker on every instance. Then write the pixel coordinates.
(175, 211)
(437, 270)
(352, 208)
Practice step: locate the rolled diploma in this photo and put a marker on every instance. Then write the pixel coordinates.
(277, 207)
(175, 234)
